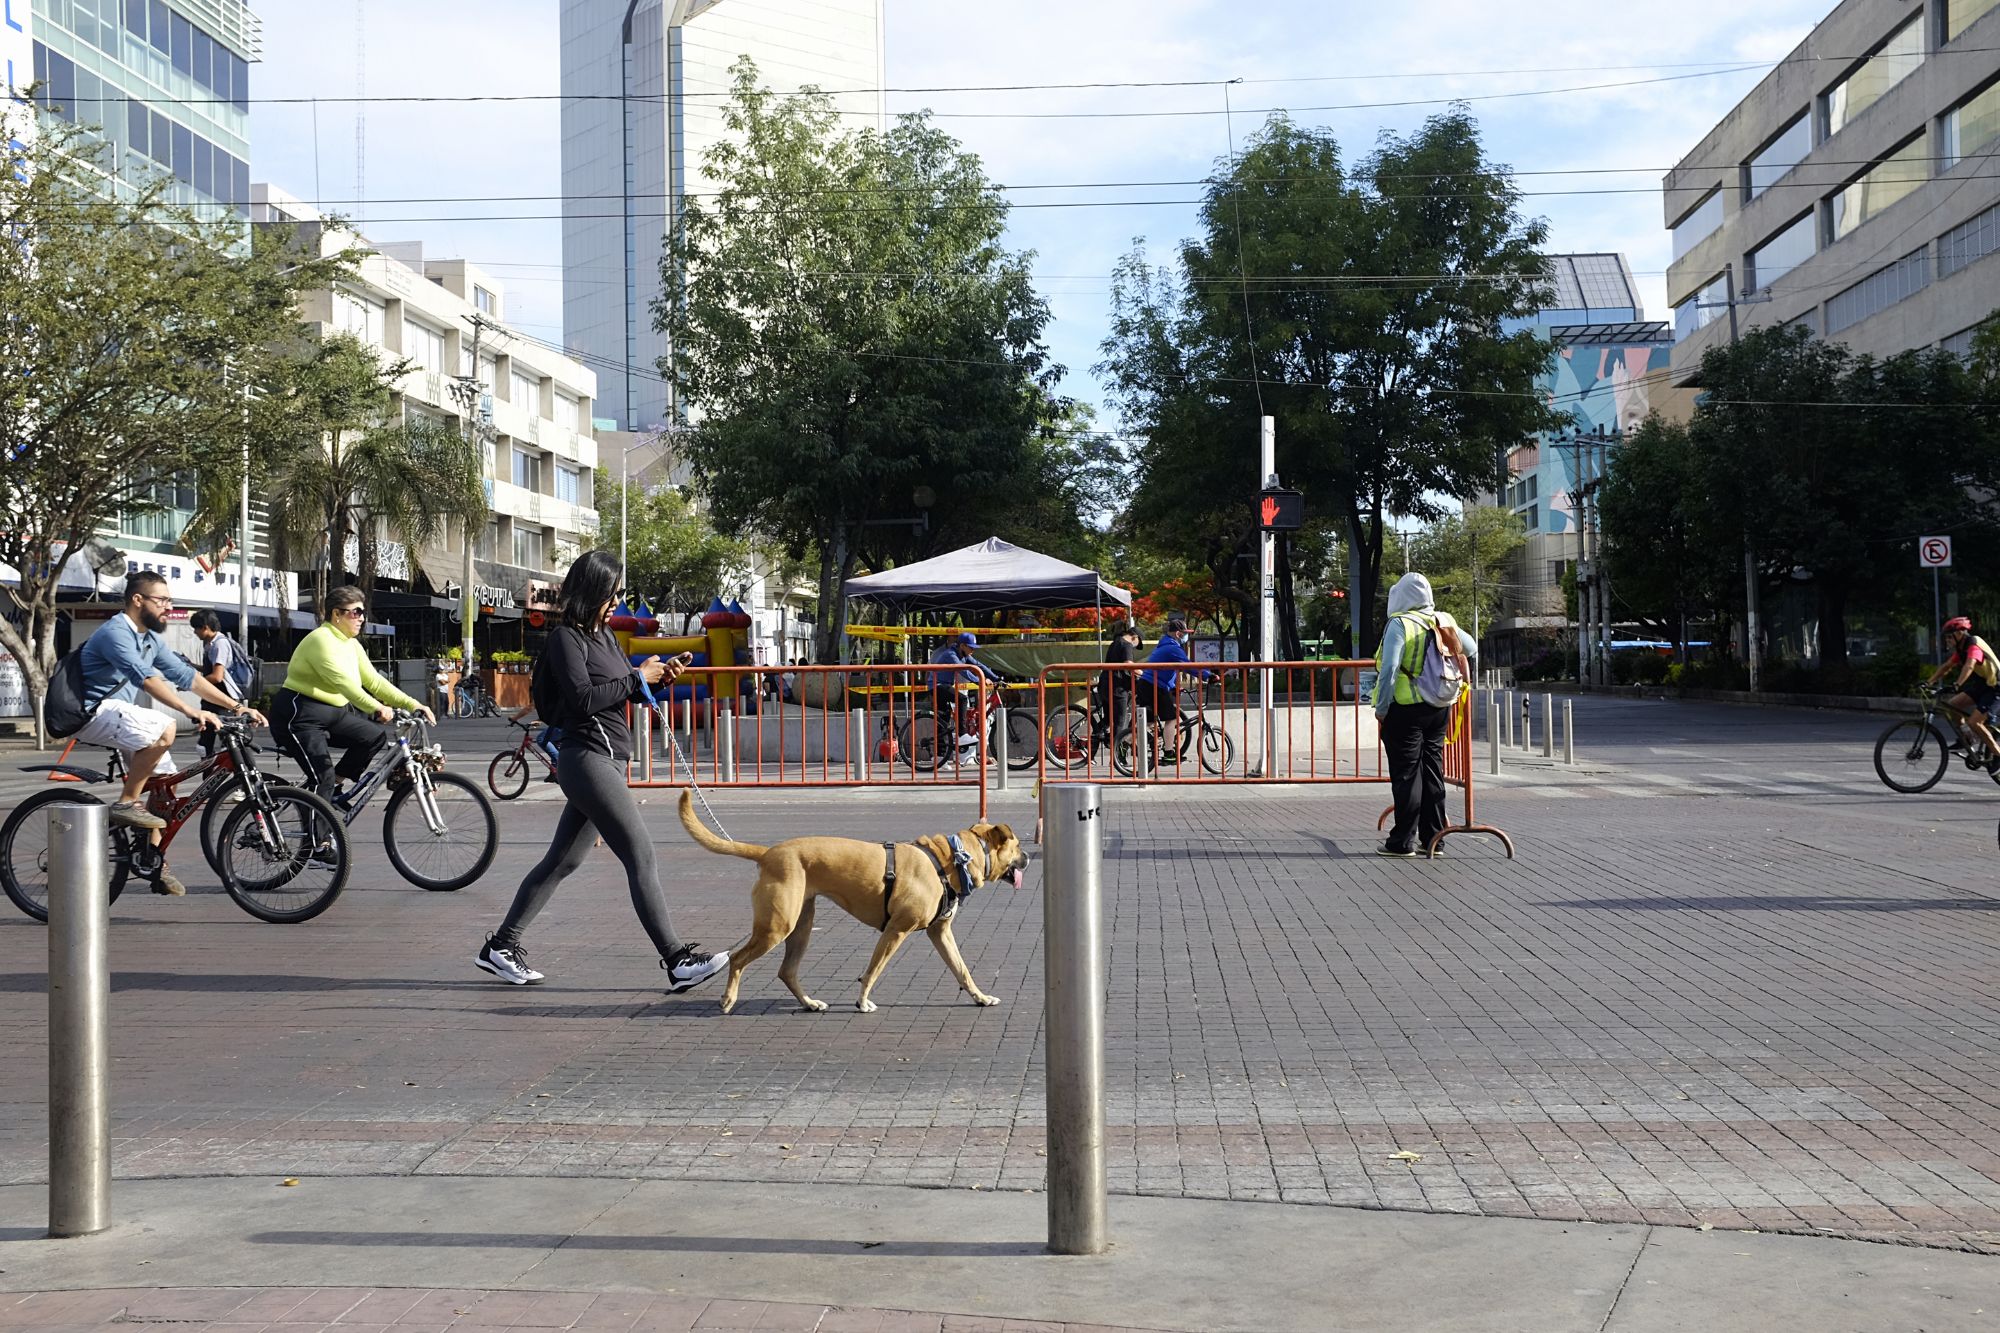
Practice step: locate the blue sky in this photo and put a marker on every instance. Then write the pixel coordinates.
(1291, 54)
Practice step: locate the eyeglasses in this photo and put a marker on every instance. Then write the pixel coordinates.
(350, 611)
(158, 599)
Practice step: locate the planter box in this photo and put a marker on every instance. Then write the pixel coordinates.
(510, 689)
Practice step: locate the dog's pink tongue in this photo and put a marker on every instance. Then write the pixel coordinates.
(1015, 876)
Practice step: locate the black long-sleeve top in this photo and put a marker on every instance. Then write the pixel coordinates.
(593, 682)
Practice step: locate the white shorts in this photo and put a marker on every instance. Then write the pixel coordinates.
(127, 728)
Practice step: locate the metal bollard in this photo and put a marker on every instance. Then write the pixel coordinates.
(1073, 1001)
(1142, 735)
(1527, 721)
(1508, 713)
(79, 1019)
(1548, 726)
(645, 746)
(1000, 730)
(1569, 732)
(1493, 736)
(857, 744)
(725, 743)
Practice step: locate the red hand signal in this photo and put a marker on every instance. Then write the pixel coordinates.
(1270, 510)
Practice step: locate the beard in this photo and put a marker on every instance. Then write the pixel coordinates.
(152, 620)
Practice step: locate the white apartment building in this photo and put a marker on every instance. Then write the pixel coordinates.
(644, 87)
(541, 458)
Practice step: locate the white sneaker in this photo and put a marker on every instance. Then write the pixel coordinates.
(690, 967)
(968, 742)
(510, 965)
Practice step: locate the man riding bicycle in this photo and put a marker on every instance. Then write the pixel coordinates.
(944, 685)
(1159, 688)
(126, 657)
(328, 672)
(1978, 682)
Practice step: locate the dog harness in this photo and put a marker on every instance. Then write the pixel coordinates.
(961, 862)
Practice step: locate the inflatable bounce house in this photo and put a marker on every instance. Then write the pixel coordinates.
(724, 642)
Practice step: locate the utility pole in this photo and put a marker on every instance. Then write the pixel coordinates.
(468, 390)
(1267, 590)
(1753, 654)
(243, 558)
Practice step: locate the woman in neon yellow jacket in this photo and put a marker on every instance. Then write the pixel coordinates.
(334, 696)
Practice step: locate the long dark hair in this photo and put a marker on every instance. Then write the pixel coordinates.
(592, 581)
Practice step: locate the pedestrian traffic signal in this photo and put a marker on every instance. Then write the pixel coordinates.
(1281, 511)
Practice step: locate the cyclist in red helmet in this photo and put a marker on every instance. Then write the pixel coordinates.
(1978, 682)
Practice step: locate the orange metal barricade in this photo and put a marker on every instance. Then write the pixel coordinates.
(1458, 773)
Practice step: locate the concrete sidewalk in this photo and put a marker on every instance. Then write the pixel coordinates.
(818, 1251)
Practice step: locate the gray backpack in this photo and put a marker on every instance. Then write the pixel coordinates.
(1439, 679)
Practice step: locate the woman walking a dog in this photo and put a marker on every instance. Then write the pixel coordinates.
(582, 684)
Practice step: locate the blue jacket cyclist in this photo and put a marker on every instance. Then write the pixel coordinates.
(944, 684)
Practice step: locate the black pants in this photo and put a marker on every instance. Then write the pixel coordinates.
(599, 803)
(1413, 736)
(308, 730)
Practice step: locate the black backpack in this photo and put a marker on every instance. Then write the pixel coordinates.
(63, 711)
(542, 688)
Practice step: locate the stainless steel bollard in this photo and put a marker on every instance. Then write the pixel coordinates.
(1493, 736)
(725, 743)
(1548, 726)
(1073, 1001)
(1569, 732)
(857, 744)
(645, 746)
(1142, 736)
(1508, 714)
(1000, 759)
(1527, 721)
(79, 1019)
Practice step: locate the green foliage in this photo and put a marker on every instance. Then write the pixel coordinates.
(1464, 556)
(676, 559)
(1389, 394)
(1553, 663)
(856, 337)
(1669, 561)
(336, 463)
(130, 327)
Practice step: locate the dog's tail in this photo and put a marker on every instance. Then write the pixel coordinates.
(699, 832)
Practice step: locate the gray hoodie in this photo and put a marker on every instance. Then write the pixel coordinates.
(1411, 593)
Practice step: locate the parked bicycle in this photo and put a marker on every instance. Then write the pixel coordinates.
(438, 828)
(925, 747)
(1913, 754)
(507, 776)
(470, 698)
(286, 854)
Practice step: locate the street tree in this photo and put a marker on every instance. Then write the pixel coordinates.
(1670, 563)
(675, 558)
(338, 461)
(1466, 557)
(130, 328)
(849, 329)
(1367, 311)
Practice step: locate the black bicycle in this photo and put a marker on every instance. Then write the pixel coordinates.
(925, 746)
(438, 827)
(1193, 732)
(1912, 755)
(286, 856)
(470, 698)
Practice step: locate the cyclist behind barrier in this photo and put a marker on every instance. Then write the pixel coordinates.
(1159, 687)
(220, 655)
(127, 657)
(328, 672)
(944, 685)
(1114, 688)
(1978, 681)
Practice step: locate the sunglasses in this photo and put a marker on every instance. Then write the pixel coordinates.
(351, 611)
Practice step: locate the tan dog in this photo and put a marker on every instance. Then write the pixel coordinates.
(793, 875)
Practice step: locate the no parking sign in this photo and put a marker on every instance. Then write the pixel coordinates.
(1934, 552)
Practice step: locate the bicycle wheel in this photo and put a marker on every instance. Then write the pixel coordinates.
(439, 831)
(1018, 747)
(285, 858)
(507, 775)
(916, 739)
(1068, 737)
(1126, 762)
(1218, 752)
(212, 815)
(1911, 756)
(24, 851)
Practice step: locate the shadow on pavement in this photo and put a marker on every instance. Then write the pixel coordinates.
(484, 1240)
(1780, 903)
(254, 982)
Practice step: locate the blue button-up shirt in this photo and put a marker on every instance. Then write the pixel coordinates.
(121, 656)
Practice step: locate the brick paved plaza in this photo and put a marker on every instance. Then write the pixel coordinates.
(1730, 981)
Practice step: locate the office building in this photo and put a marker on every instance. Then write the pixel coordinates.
(541, 451)
(645, 83)
(1853, 191)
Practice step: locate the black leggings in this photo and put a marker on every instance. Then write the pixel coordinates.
(599, 803)
(308, 730)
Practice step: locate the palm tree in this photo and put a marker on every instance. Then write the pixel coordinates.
(338, 465)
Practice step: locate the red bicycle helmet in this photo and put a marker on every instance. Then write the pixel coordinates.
(1958, 622)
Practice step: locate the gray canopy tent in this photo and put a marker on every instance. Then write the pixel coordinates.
(991, 576)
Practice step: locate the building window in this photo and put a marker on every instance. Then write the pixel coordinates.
(1959, 344)
(1962, 14)
(1878, 291)
(1557, 568)
(1877, 189)
(567, 415)
(1969, 242)
(1971, 126)
(1895, 60)
(1704, 307)
(1533, 518)
(1779, 156)
(488, 546)
(567, 487)
(527, 470)
(1778, 256)
(525, 392)
(170, 507)
(424, 345)
(359, 316)
(1699, 224)
(482, 299)
(527, 547)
